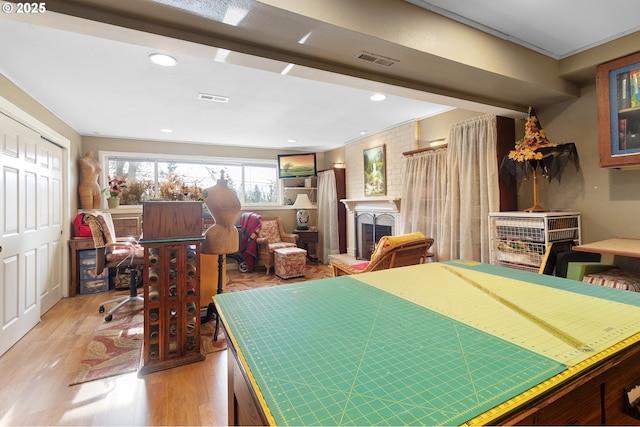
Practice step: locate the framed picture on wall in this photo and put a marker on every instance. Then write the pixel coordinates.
(375, 183)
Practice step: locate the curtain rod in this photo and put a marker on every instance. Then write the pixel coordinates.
(422, 150)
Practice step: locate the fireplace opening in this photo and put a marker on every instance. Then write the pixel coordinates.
(369, 229)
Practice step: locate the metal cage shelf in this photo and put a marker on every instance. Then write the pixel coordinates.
(519, 239)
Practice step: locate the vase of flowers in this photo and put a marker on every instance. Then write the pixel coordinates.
(114, 190)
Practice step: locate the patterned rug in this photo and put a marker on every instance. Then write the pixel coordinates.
(116, 346)
(114, 349)
(237, 281)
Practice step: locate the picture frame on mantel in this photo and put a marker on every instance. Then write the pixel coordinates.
(375, 180)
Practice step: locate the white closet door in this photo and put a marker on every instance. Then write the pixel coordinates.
(30, 229)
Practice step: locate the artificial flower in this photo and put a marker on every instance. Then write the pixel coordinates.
(116, 186)
(534, 139)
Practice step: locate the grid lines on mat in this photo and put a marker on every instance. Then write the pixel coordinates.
(340, 352)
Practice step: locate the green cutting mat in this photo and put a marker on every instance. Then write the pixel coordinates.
(340, 352)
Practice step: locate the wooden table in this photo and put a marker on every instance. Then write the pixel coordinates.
(307, 238)
(616, 246)
(421, 345)
(77, 244)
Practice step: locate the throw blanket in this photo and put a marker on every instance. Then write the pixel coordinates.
(250, 224)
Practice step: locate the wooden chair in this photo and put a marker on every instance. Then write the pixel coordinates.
(271, 237)
(390, 252)
(112, 252)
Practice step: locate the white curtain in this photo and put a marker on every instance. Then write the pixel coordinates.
(424, 194)
(472, 189)
(328, 242)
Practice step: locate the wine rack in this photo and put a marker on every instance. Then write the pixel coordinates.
(172, 299)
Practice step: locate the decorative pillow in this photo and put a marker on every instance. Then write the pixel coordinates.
(118, 253)
(106, 230)
(386, 241)
(270, 231)
(361, 266)
(279, 245)
(614, 278)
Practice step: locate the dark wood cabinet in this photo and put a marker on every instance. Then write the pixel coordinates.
(618, 92)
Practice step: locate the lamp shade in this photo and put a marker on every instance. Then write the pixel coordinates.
(303, 202)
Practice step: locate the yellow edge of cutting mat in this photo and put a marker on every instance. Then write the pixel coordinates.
(263, 403)
(515, 402)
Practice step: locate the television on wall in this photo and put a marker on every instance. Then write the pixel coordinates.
(296, 165)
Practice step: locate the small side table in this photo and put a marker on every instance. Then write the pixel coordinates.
(306, 238)
(77, 244)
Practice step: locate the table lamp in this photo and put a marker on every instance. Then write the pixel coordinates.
(303, 204)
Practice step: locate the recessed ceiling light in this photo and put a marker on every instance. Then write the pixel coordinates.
(378, 97)
(292, 141)
(304, 39)
(286, 69)
(166, 130)
(212, 98)
(363, 132)
(162, 59)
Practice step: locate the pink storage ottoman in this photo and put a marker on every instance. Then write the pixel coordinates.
(290, 262)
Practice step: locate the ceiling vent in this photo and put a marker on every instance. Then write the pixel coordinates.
(376, 59)
(212, 98)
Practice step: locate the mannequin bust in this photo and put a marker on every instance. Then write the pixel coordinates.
(88, 188)
(224, 205)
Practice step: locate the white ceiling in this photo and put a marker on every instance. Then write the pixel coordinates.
(98, 79)
(556, 28)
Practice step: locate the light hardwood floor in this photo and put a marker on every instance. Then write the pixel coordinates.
(36, 372)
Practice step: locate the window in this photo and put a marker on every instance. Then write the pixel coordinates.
(184, 178)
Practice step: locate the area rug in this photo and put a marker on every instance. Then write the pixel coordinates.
(237, 281)
(116, 346)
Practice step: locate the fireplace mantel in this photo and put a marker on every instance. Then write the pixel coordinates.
(372, 204)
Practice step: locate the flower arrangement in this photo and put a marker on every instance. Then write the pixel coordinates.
(116, 186)
(534, 138)
(137, 191)
(535, 152)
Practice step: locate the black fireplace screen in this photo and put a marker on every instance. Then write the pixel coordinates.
(369, 229)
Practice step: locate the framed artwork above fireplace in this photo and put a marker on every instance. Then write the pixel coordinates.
(374, 172)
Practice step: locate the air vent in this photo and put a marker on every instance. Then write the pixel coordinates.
(212, 98)
(376, 59)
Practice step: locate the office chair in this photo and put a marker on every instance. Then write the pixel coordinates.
(112, 252)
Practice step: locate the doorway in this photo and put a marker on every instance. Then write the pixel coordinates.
(31, 230)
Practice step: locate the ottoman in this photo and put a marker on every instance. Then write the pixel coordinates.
(289, 262)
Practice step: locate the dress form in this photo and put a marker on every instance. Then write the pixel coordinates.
(224, 205)
(88, 188)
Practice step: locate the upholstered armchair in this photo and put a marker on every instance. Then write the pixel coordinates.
(271, 237)
(390, 252)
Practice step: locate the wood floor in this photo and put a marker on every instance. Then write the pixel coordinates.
(35, 375)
